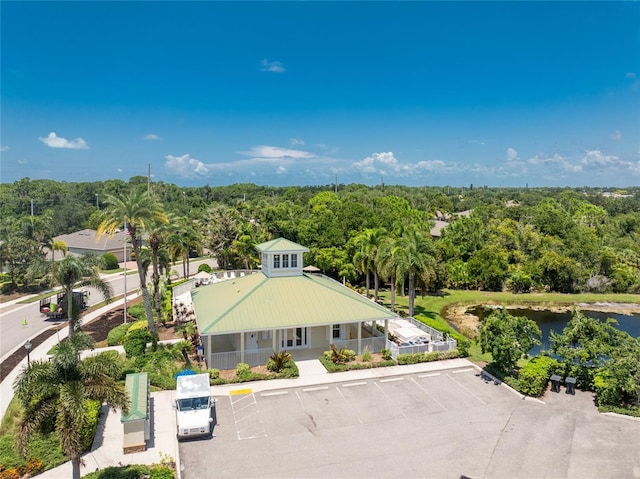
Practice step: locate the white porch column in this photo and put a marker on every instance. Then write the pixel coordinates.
(242, 347)
(274, 341)
(360, 325)
(209, 352)
(386, 332)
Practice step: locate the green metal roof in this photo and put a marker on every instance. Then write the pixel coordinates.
(256, 302)
(137, 387)
(280, 244)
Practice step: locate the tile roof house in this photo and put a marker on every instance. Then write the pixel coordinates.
(247, 318)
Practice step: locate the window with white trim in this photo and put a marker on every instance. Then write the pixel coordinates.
(276, 261)
(285, 260)
(335, 331)
(294, 260)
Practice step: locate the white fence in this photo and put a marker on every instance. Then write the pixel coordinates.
(230, 359)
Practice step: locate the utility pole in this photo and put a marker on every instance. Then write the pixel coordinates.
(97, 204)
(31, 206)
(149, 178)
(336, 184)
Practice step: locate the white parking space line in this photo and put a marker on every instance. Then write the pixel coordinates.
(387, 396)
(318, 388)
(430, 375)
(275, 393)
(467, 390)
(391, 379)
(248, 425)
(462, 371)
(348, 385)
(355, 412)
(427, 392)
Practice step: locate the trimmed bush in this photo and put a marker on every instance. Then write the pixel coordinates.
(243, 370)
(117, 334)
(204, 267)
(109, 261)
(92, 411)
(135, 342)
(140, 324)
(533, 377)
(386, 354)
(214, 374)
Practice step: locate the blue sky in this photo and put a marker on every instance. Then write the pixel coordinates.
(295, 93)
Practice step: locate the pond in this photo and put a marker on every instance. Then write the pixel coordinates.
(548, 321)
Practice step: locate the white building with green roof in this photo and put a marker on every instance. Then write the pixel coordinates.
(247, 318)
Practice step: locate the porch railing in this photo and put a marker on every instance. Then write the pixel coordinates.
(375, 345)
(230, 359)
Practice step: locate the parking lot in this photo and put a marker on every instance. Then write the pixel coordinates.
(447, 424)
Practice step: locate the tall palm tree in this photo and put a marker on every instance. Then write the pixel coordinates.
(367, 243)
(158, 233)
(137, 210)
(182, 241)
(60, 388)
(414, 253)
(73, 272)
(387, 265)
(374, 238)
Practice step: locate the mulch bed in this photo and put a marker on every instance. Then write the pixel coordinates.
(98, 329)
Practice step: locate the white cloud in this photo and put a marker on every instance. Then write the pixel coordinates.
(119, 170)
(151, 136)
(273, 67)
(185, 166)
(616, 135)
(55, 141)
(4, 148)
(296, 142)
(553, 163)
(281, 170)
(631, 76)
(377, 163)
(511, 154)
(23, 162)
(433, 166)
(266, 151)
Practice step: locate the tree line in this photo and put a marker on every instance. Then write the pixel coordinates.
(520, 239)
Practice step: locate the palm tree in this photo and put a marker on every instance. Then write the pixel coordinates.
(367, 243)
(60, 387)
(414, 254)
(387, 265)
(158, 233)
(73, 272)
(137, 210)
(182, 241)
(58, 245)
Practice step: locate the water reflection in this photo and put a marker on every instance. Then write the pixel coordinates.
(548, 321)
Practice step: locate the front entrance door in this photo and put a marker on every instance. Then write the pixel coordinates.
(252, 341)
(294, 338)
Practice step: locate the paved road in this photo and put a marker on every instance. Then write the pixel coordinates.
(14, 333)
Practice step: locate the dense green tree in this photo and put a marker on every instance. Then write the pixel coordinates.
(137, 210)
(508, 338)
(60, 387)
(184, 239)
(18, 253)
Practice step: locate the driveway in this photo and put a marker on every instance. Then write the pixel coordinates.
(438, 424)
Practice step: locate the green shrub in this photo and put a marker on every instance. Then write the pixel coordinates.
(136, 325)
(92, 411)
(277, 361)
(117, 334)
(161, 472)
(109, 261)
(290, 370)
(366, 355)
(214, 373)
(332, 367)
(340, 356)
(243, 370)
(533, 377)
(386, 354)
(204, 267)
(135, 342)
(410, 358)
(137, 311)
